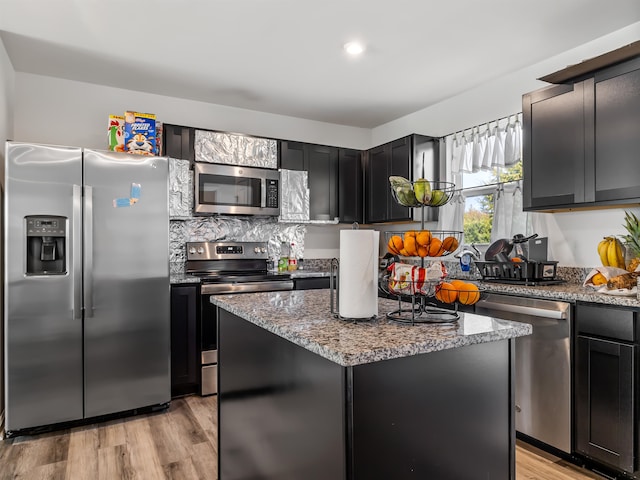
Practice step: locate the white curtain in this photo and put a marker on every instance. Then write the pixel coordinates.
(451, 215)
(495, 144)
(508, 217)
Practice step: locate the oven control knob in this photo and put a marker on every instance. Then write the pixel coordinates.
(192, 250)
(256, 249)
(263, 250)
(200, 250)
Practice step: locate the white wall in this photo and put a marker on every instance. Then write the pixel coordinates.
(6, 132)
(52, 110)
(573, 236)
(64, 112)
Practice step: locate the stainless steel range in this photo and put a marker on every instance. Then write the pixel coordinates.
(225, 268)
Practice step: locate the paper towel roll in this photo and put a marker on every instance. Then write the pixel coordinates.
(358, 273)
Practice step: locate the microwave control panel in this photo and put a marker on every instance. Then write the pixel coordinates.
(272, 193)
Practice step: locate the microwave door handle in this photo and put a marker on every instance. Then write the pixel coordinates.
(263, 192)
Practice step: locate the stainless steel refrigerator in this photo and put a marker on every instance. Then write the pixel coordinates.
(86, 280)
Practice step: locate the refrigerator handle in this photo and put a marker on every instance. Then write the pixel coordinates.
(88, 251)
(76, 246)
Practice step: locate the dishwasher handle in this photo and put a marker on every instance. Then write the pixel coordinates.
(557, 314)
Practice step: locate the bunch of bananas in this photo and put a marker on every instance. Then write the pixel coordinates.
(611, 252)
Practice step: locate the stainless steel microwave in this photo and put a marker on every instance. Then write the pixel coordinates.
(236, 190)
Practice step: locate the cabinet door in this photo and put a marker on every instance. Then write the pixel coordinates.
(617, 133)
(292, 155)
(401, 155)
(350, 186)
(378, 195)
(322, 168)
(178, 142)
(554, 147)
(605, 415)
(184, 339)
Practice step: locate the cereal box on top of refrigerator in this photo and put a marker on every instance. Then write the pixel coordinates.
(115, 133)
(140, 133)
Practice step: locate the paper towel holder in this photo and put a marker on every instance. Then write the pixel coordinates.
(334, 290)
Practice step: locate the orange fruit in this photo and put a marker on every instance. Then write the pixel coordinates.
(404, 253)
(391, 247)
(468, 294)
(411, 246)
(450, 244)
(423, 251)
(423, 238)
(396, 243)
(409, 234)
(457, 283)
(435, 247)
(446, 293)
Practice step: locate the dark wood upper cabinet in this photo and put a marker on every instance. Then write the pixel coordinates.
(178, 142)
(617, 133)
(400, 158)
(292, 155)
(554, 146)
(378, 195)
(323, 181)
(581, 141)
(393, 158)
(350, 186)
(321, 164)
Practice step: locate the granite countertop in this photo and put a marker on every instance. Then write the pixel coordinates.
(566, 291)
(304, 318)
(177, 275)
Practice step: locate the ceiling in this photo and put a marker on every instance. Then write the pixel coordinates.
(285, 56)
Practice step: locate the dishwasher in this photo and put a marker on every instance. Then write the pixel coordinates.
(543, 387)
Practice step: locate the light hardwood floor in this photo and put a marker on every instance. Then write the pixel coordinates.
(176, 444)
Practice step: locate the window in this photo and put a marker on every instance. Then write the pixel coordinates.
(481, 159)
(480, 188)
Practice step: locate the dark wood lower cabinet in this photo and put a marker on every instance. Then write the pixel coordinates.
(311, 283)
(606, 379)
(605, 401)
(185, 375)
(286, 413)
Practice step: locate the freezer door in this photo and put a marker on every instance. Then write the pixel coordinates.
(42, 312)
(126, 282)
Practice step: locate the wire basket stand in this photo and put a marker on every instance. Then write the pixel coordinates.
(421, 310)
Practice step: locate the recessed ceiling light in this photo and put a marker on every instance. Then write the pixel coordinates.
(353, 48)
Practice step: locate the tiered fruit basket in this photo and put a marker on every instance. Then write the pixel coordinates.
(422, 276)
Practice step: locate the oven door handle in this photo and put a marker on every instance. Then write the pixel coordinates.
(245, 287)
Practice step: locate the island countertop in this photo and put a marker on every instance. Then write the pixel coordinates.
(304, 318)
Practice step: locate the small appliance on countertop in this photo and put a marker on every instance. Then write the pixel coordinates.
(225, 268)
(520, 261)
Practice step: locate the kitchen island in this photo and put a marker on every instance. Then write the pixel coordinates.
(303, 395)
